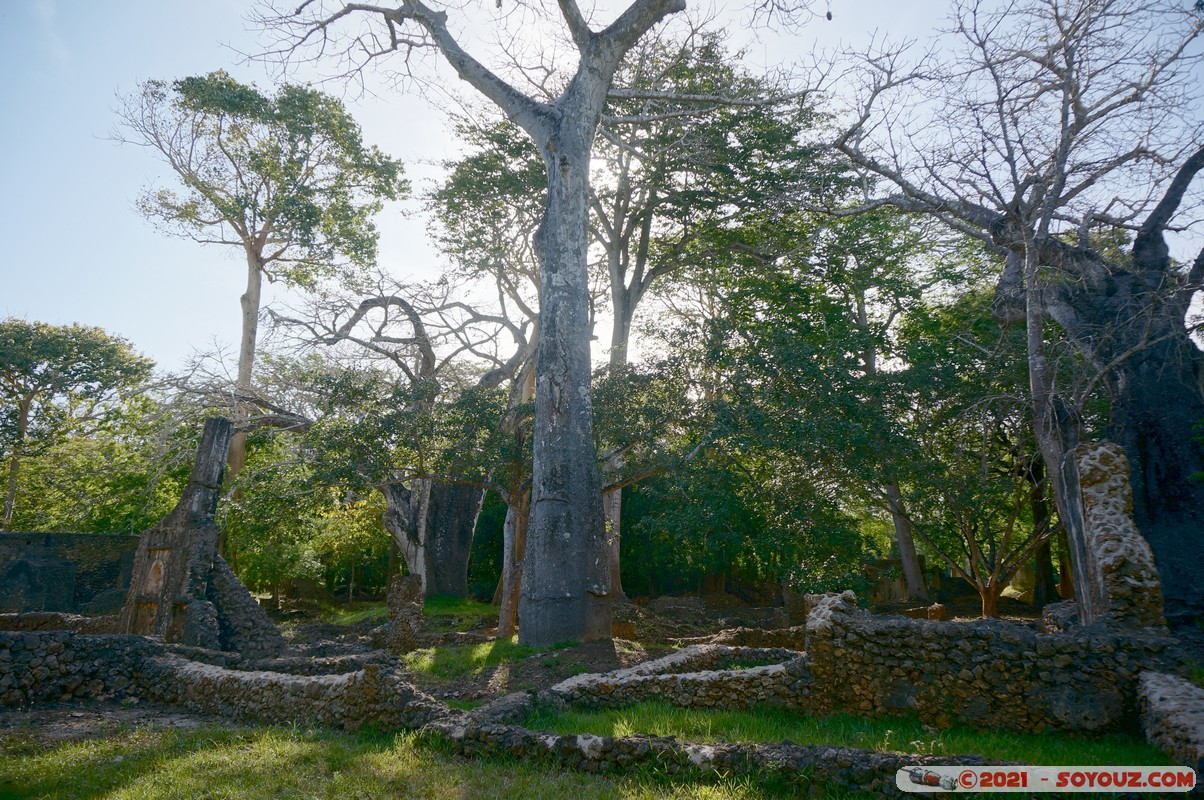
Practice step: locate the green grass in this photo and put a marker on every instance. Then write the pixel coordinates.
(767, 724)
(278, 762)
(353, 613)
(462, 661)
(457, 614)
(442, 612)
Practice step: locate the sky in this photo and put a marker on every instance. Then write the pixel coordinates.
(75, 249)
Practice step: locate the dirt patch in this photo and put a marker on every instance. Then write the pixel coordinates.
(62, 722)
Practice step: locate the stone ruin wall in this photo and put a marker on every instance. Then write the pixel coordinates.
(73, 573)
(986, 674)
(1172, 717)
(1120, 564)
(53, 666)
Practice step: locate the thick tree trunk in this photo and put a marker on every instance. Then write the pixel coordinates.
(990, 599)
(514, 543)
(566, 580)
(405, 522)
(912, 574)
(1156, 421)
(453, 511)
(432, 524)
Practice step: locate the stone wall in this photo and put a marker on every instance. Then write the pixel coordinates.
(48, 667)
(80, 573)
(987, 673)
(375, 695)
(54, 621)
(1172, 717)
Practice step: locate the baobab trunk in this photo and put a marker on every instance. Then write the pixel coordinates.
(432, 524)
(566, 580)
(453, 510)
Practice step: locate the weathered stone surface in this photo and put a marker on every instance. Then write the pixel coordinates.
(1119, 560)
(64, 572)
(181, 589)
(370, 690)
(403, 632)
(1172, 717)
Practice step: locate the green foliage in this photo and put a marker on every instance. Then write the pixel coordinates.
(286, 177)
(775, 724)
(121, 476)
(285, 523)
(59, 380)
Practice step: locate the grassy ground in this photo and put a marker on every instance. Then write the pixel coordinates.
(467, 660)
(281, 762)
(442, 613)
(905, 735)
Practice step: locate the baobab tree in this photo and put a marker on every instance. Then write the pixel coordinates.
(1053, 126)
(566, 583)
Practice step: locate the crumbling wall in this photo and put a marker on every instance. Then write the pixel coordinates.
(403, 632)
(988, 673)
(1120, 564)
(75, 573)
(181, 589)
(1172, 717)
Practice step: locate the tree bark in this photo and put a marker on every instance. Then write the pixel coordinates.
(453, 512)
(249, 302)
(514, 543)
(612, 501)
(566, 581)
(990, 599)
(24, 407)
(912, 574)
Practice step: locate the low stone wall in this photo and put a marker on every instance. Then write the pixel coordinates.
(48, 667)
(1172, 717)
(688, 678)
(375, 695)
(986, 673)
(808, 770)
(54, 621)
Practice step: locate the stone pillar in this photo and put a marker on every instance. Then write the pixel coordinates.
(1114, 564)
(181, 589)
